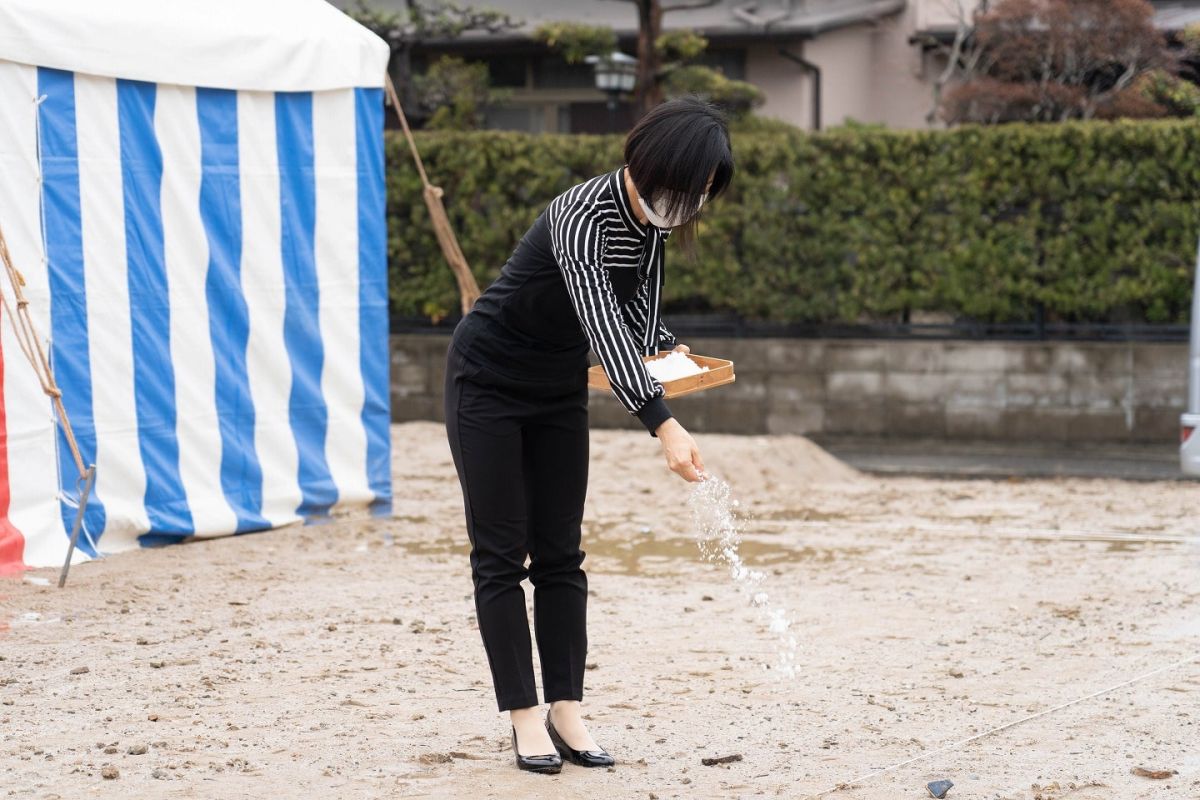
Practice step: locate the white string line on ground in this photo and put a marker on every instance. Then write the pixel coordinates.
(981, 531)
(953, 745)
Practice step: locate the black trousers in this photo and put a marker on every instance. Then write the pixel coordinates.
(521, 452)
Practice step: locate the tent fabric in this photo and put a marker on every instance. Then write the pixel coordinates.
(209, 268)
(12, 542)
(36, 529)
(253, 45)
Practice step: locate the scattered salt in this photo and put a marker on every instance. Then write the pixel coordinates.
(718, 535)
(673, 366)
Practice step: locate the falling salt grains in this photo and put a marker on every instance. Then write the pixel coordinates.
(718, 535)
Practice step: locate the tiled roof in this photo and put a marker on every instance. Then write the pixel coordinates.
(1175, 15)
(727, 17)
(1169, 15)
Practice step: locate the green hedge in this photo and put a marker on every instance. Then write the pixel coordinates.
(1094, 222)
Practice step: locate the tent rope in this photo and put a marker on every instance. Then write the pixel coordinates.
(468, 288)
(31, 345)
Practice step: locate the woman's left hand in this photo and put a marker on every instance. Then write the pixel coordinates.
(682, 348)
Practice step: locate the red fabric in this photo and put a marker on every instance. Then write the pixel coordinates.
(12, 543)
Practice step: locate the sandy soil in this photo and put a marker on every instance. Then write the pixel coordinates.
(343, 661)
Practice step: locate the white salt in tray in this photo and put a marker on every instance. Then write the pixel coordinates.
(711, 372)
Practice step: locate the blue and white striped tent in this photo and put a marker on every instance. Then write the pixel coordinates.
(194, 193)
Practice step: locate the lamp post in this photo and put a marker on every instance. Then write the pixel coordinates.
(615, 73)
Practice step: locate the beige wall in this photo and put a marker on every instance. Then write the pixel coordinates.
(845, 58)
(870, 72)
(902, 89)
(786, 84)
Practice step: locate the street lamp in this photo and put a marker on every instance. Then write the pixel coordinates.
(615, 73)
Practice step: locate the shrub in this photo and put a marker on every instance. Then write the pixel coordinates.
(1090, 222)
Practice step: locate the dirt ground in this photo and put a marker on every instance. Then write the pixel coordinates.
(343, 660)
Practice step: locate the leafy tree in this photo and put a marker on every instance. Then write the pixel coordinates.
(649, 92)
(574, 41)
(455, 93)
(673, 74)
(677, 49)
(1172, 94)
(680, 45)
(736, 97)
(419, 21)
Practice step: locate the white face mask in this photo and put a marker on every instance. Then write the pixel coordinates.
(661, 221)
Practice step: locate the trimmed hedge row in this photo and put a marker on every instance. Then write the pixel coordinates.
(1086, 222)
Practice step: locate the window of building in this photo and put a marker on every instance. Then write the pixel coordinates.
(552, 72)
(508, 71)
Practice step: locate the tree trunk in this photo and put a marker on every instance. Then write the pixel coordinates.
(648, 93)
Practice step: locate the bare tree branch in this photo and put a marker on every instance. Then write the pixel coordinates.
(1048, 60)
(961, 32)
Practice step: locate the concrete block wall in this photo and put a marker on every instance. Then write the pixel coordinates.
(1033, 391)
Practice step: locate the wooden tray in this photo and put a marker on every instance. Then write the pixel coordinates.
(720, 372)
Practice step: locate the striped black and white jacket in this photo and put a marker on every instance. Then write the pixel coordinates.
(586, 275)
(601, 248)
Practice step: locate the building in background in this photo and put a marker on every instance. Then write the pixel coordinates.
(819, 62)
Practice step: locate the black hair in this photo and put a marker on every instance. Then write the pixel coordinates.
(671, 152)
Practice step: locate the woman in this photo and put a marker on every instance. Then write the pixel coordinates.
(587, 274)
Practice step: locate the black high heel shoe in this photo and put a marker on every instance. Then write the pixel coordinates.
(548, 763)
(584, 758)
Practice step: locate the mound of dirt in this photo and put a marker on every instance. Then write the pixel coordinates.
(772, 462)
(748, 463)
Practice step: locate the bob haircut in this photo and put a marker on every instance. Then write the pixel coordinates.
(672, 151)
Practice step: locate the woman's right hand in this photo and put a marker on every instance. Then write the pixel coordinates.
(682, 454)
